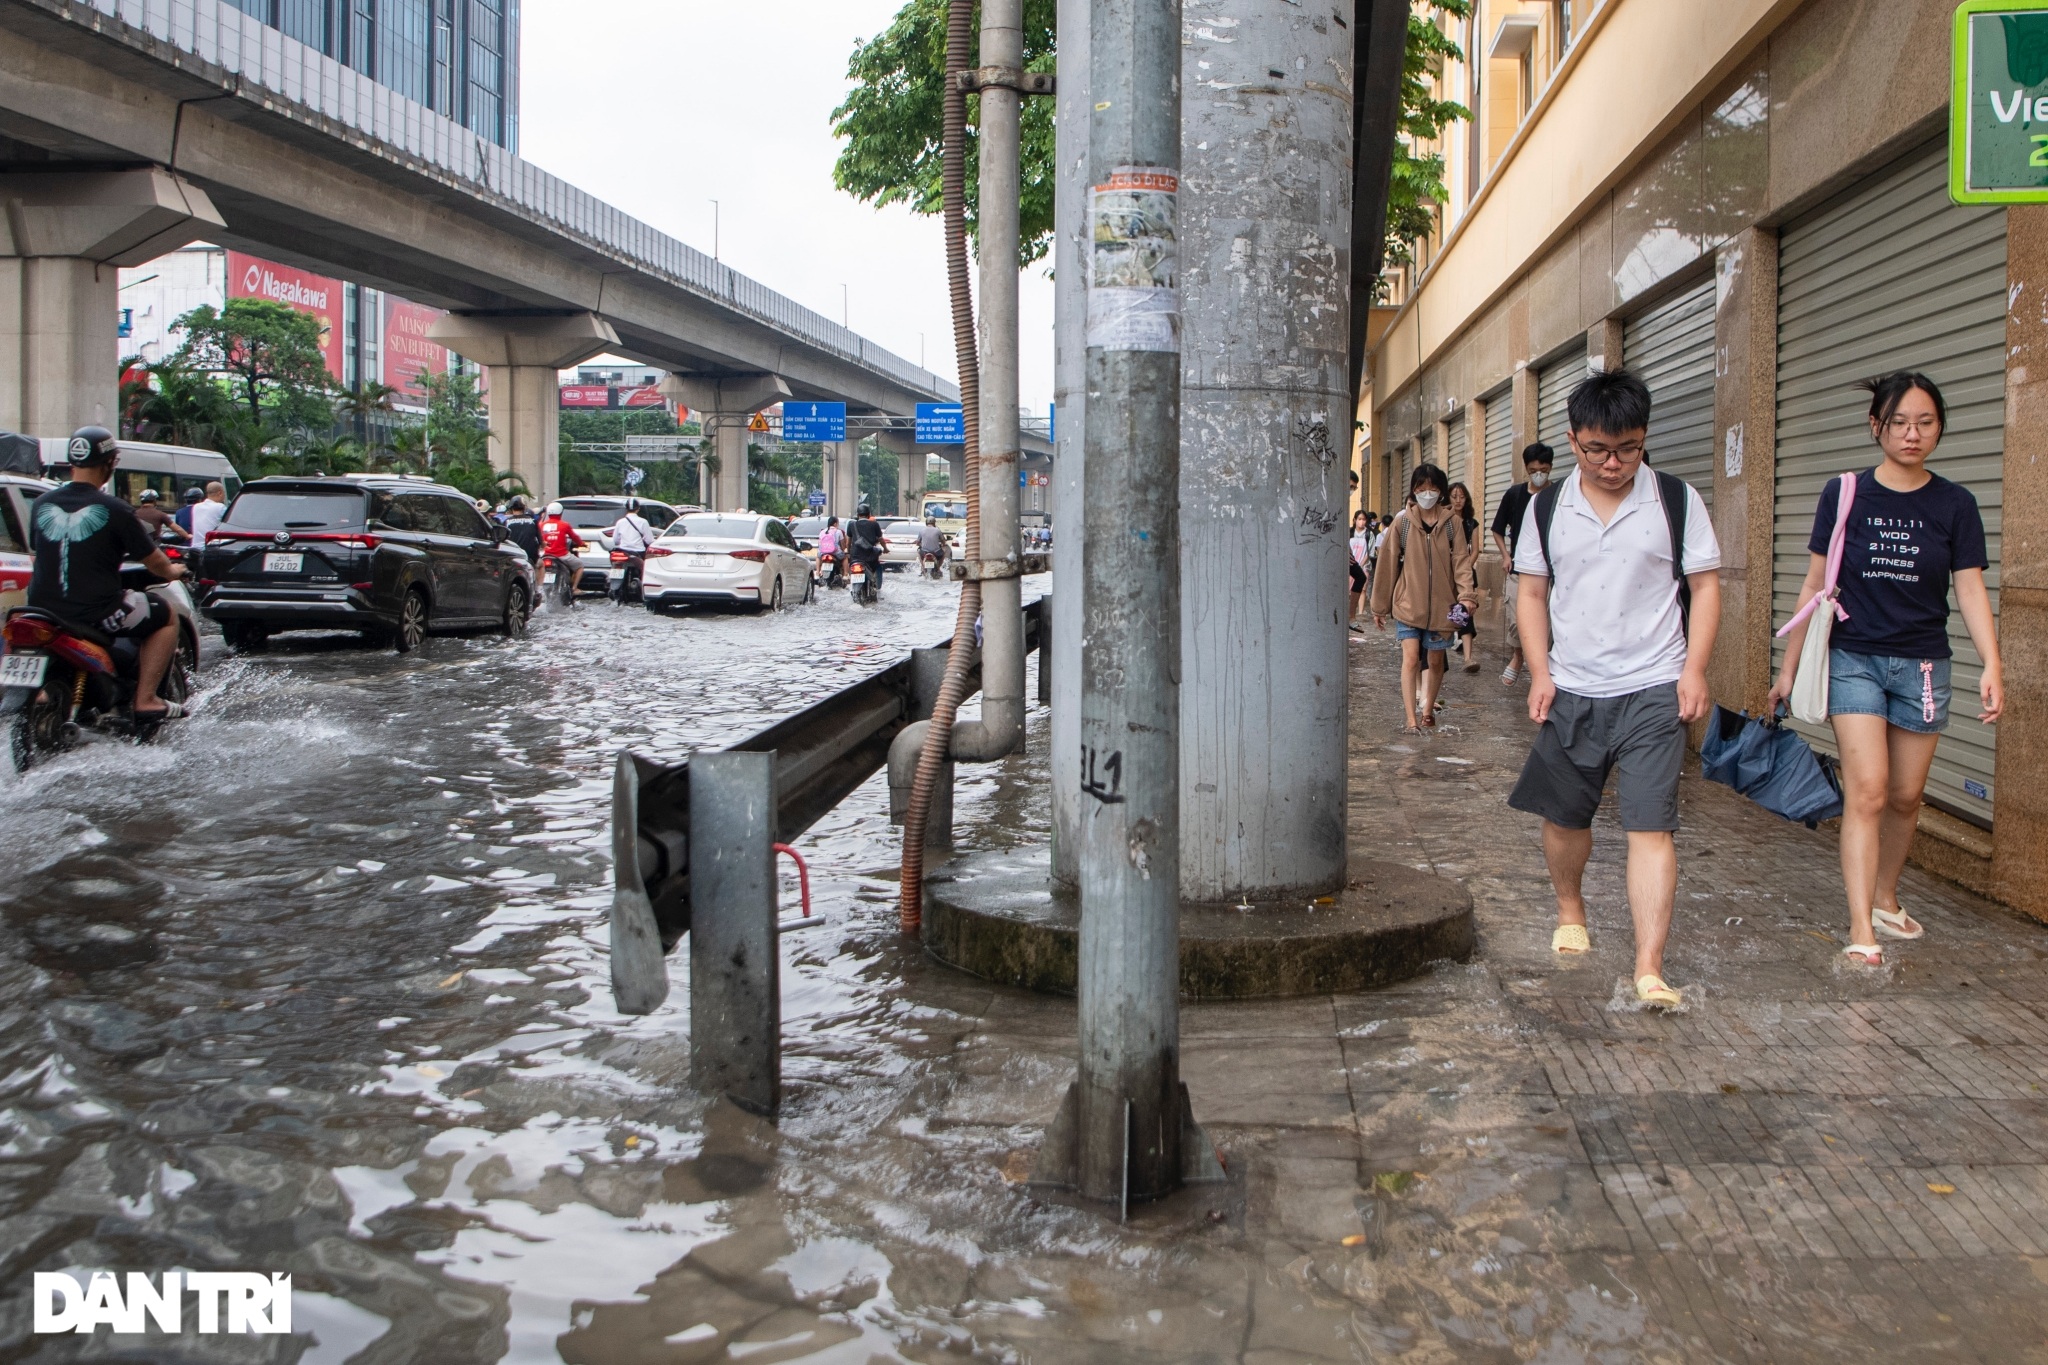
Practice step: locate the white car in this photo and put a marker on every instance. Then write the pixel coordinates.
(723, 558)
(899, 542)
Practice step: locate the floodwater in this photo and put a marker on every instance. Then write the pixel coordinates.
(318, 986)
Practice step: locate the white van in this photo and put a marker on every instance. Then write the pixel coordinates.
(170, 470)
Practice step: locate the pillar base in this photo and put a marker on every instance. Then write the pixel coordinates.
(998, 916)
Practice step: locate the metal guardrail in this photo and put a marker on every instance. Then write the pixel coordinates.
(693, 852)
(376, 119)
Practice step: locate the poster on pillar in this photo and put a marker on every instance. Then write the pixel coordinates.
(407, 352)
(252, 277)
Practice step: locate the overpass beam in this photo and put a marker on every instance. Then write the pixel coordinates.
(525, 354)
(64, 235)
(726, 406)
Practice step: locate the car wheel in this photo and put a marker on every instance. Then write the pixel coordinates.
(411, 631)
(245, 639)
(810, 591)
(774, 602)
(517, 609)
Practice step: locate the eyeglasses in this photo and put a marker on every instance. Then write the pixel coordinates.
(1899, 426)
(1602, 454)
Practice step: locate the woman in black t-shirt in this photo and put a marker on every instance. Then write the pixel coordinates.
(1911, 534)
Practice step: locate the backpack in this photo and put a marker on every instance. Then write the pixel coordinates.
(1672, 491)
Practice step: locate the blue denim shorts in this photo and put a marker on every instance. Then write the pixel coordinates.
(1885, 685)
(1435, 641)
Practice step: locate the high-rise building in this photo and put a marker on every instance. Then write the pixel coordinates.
(460, 58)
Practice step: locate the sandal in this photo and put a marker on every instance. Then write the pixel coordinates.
(1509, 676)
(1869, 954)
(171, 711)
(1893, 924)
(1570, 938)
(1429, 721)
(1651, 990)
(1472, 667)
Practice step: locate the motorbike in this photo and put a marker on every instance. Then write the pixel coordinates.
(832, 570)
(63, 686)
(931, 565)
(558, 575)
(625, 585)
(863, 584)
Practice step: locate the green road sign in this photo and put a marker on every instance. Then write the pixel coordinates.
(1998, 117)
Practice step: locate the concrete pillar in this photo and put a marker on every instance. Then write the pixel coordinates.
(1745, 472)
(64, 237)
(956, 471)
(1070, 389)
(2020, 797)
(725, 407)
(842, 478)
(1266, 417)
(1603, 346)
(909, 469)
(525, 355)
(1523, 395)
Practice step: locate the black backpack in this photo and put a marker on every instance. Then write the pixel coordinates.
(1672, 492)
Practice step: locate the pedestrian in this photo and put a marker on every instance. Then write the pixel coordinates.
(1537, 459)
(149, 510)
(1427, 566)
(1361, 555)
(207, 512)
(1468, 625)
(1608, 560)
(1910, 535)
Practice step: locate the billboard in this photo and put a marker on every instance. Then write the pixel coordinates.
(646, 396)
(406, 351)
(251, 277)
(586, 396)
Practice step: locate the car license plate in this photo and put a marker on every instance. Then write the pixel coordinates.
(700, 561)
(23, 670)
(275, 563)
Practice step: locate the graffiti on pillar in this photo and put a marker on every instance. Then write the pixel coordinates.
(1313, 431)
(1103, 780)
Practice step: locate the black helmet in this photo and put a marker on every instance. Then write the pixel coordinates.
(195, 495)
(92, 446)
(150, 495)
(865, 511)
(632, 504)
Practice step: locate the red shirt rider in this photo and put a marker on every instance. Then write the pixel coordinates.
(558, 537)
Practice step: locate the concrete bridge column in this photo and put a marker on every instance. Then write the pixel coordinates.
(909, 469)
(726, 406)
(63, 238)
(525, 355)
(842, 478)
(956, 471)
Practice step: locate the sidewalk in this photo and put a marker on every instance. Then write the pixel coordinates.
(1525, 1169)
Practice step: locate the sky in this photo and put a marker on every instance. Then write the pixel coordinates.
(660, 109)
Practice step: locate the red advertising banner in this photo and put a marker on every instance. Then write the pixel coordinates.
(586, 396)
(251, 277)
(648, 397)
(407, 352)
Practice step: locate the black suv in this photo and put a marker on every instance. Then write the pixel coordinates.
(389, 555)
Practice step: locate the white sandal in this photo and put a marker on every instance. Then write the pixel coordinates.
(1892, 924)
(1869, 954)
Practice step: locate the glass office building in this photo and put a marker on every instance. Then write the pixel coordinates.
(460, 58)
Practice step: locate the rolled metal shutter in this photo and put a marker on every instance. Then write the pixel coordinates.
(1500, 449)
(1454, 461)
(1554, 385)
(1409, 452)
(1671, 348)
(1892, 276)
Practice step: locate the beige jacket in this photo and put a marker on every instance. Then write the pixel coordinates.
(1422, 571)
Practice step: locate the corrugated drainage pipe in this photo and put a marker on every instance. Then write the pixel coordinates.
(937, 735)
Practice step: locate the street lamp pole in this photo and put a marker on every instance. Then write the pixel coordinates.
(714, 232)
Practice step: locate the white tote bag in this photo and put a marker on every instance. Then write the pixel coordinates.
(1810, 680)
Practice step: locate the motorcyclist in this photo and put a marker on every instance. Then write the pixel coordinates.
(522, 530)
(832, 546)
(149, 510)
(932, 541)
(82, 535)
(632, 536)
(559, 542)
(864, 544)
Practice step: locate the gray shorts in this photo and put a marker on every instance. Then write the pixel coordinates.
(1638, 737)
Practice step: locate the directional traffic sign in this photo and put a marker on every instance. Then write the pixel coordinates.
(1998, 116)
(814, 421)
(941, 424)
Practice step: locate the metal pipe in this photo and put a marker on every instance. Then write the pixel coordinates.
(994, 467)
(1129, 983)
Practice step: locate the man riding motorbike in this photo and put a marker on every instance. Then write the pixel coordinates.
(559, 541)
(82, 535)
(864, 547)
(149, 510)
(633, 537)
(931, 548)
(522, 530)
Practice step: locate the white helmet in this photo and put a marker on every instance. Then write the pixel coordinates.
(554, 509)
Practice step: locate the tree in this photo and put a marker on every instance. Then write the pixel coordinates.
(178, 404)
(893, 120)
(270, 356)
(1417, 186)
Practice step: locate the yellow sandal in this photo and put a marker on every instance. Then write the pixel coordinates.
(1651, 990)
(1570, 938)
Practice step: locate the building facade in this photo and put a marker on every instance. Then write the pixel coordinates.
(1745, 201)
(460, 58)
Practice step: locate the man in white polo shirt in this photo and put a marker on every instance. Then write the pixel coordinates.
(1617, 663)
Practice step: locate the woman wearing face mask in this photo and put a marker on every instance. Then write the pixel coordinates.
(1910, 535)
(1428, 565)
(1537, 458)
(1361, 550)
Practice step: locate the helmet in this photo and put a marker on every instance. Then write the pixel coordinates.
(92, 446)
(554, 509)
(150, 495)
(632, 504)
(517, 504)
(195, 495)
(865, 511)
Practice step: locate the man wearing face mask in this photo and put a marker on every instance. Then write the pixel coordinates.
(1507, 524)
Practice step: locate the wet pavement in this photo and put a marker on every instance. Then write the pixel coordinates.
(319, 987)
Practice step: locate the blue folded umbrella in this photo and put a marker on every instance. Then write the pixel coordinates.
(1770, 765)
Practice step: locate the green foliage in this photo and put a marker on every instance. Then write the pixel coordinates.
(894, 118)
(877, 479)
(670, 482)
(270, 357)
(1418, 181)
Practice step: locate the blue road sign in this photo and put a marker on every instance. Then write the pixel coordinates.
(814, 421)
(818, 500)
(941, 424)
